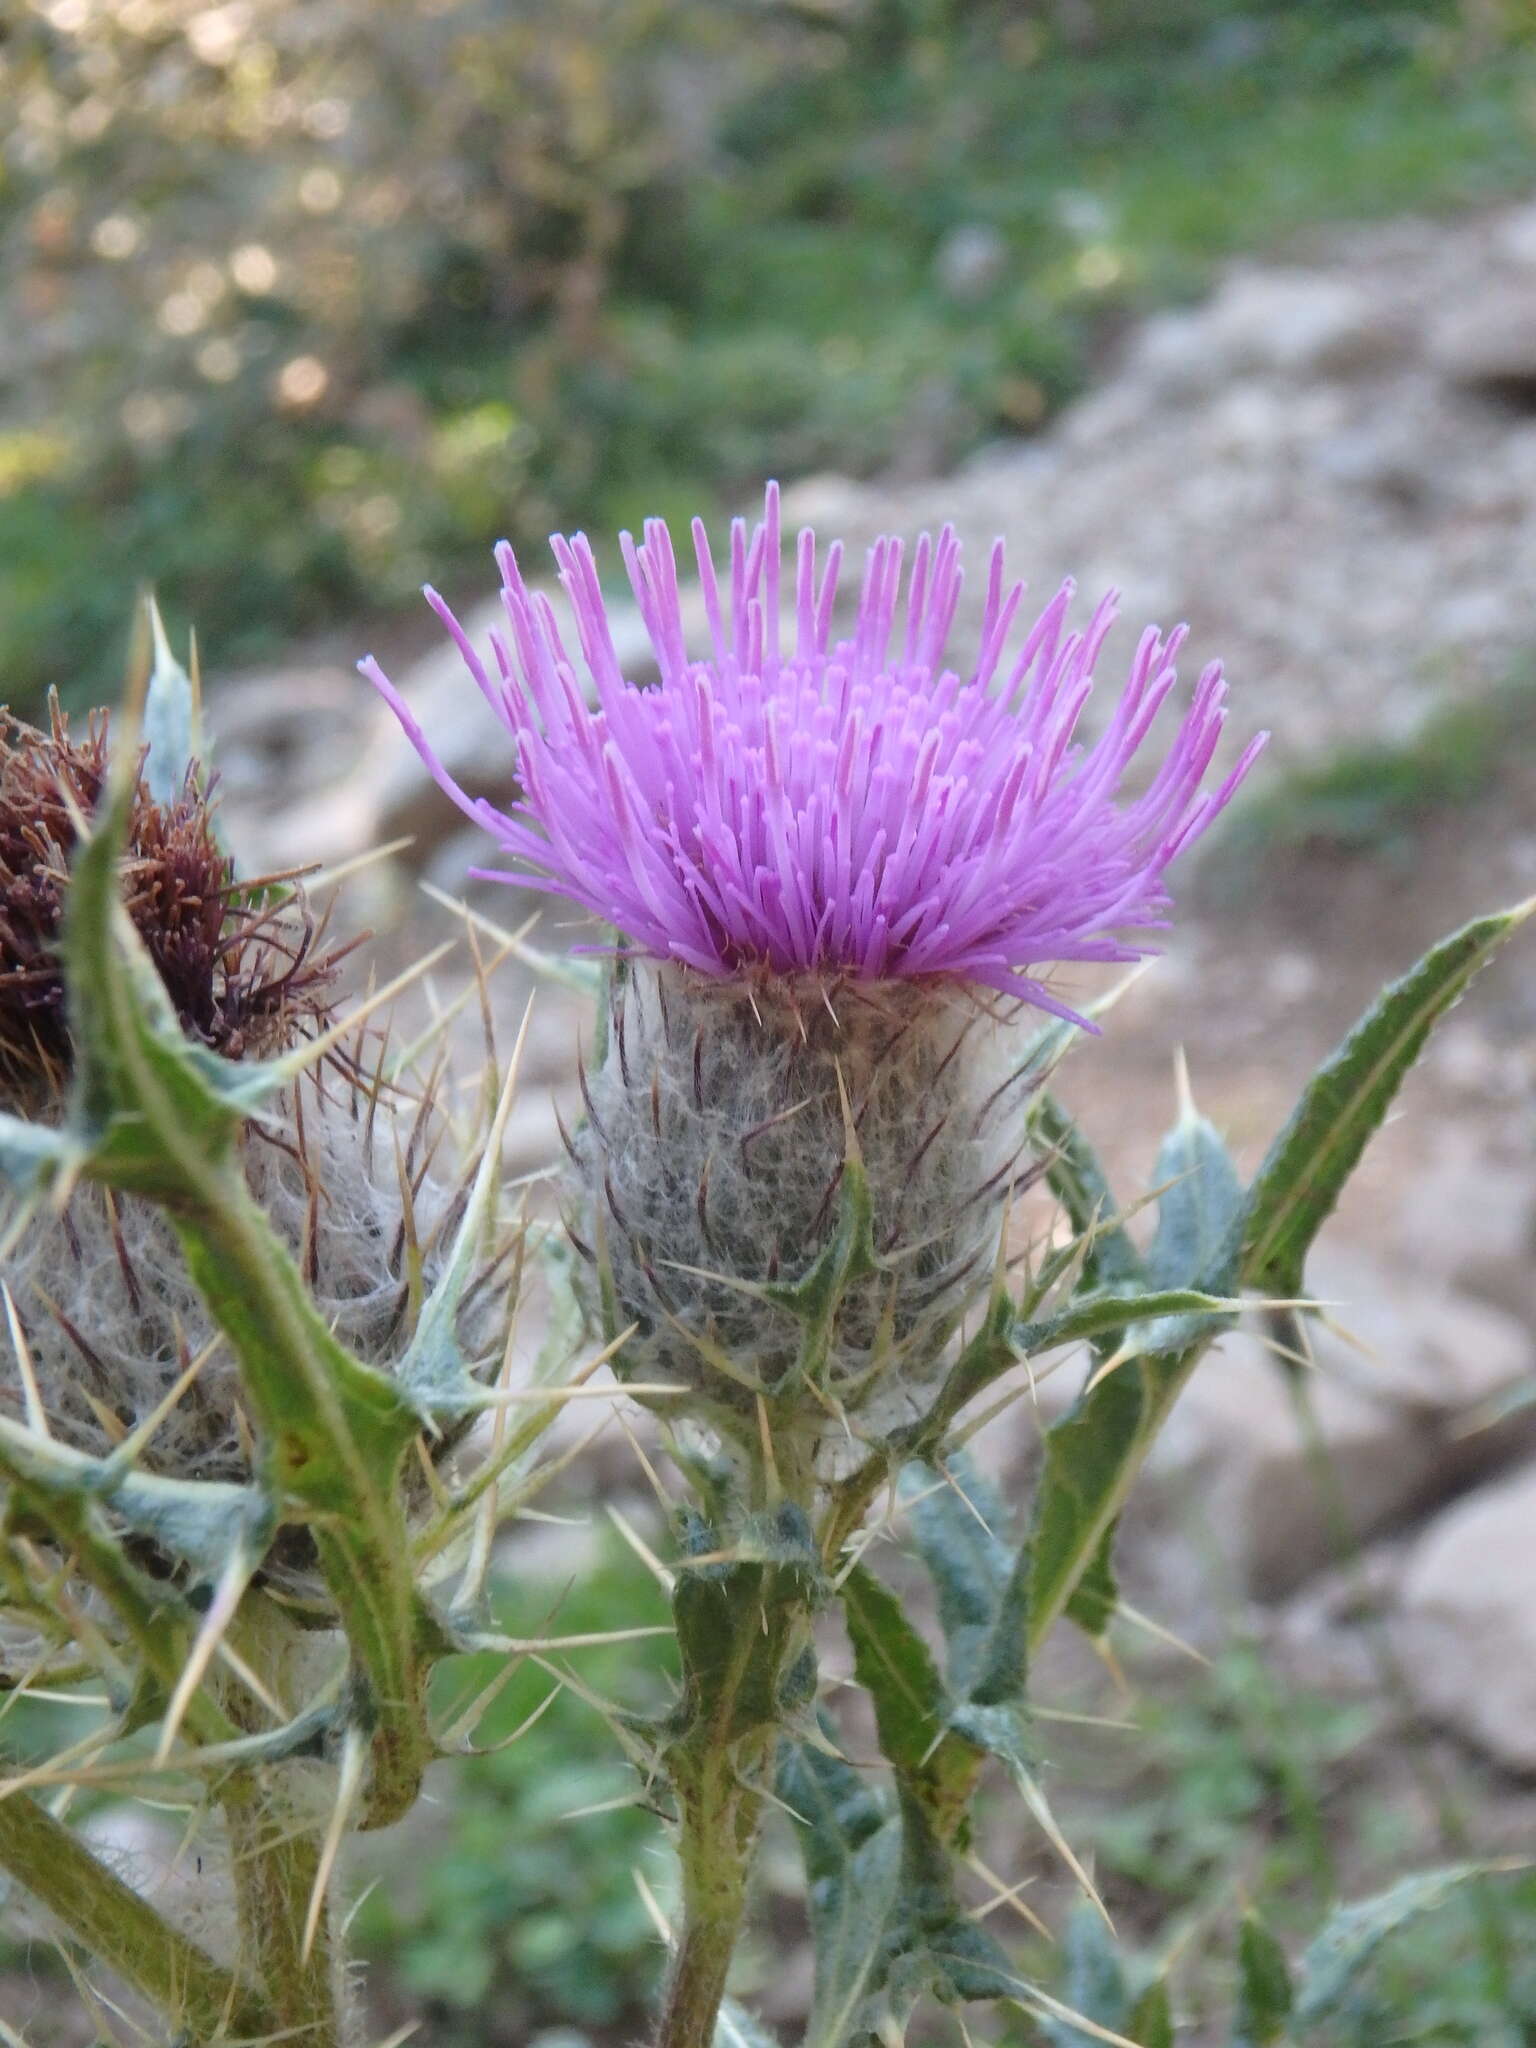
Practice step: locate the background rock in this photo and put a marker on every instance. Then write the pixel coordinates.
(1235, 1479)
(1466, 1636)
(1308, 465)
(1491, 342)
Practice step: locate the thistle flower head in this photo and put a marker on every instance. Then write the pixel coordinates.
(359, 1177)
(239, 964)
(798, 801)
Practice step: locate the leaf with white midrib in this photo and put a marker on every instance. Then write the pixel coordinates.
(1346, 1100)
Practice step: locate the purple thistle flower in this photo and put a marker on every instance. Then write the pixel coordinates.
(802, 803)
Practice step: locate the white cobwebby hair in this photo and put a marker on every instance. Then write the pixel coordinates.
(713, 1153)
(112, 1317)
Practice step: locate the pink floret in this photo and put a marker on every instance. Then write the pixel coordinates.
(850, 806)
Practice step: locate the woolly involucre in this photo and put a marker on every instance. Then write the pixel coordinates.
(712, 1159)
(112, 1317)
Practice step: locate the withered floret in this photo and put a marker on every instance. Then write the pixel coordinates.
(241, 960)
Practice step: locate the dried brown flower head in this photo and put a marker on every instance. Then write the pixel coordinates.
(354, 1167)
(240, 960)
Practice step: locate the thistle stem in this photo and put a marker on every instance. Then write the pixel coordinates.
(718, 1835)
(743, 1629)
(275, 1874)
(123, 1931)
(288, 1938)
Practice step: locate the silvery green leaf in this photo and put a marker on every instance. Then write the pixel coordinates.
(203, 1522)
(1078, 1180)
(850, 1841)
(434, 1373)
(32, 1154)
(886, 1923)
(957, 1524)
(170, 722)
(1201, 1200)
(1352, 1935)
(1095, 1986)
(1344, 1103)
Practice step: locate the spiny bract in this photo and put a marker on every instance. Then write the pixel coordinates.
(712, 1161)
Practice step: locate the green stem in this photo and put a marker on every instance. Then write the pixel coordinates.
(742, 1627)
(123, 1931)
(275, 1861)
(717, 1838)
(275, 1873)
(337, 1431)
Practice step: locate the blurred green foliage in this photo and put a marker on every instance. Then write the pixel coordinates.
(1238, 1787)
(523, 1905)
(302, 304)
(1242, 1788)
(1379, 797)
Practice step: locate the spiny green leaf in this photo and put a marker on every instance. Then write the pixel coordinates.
(1093, 1315)
(887, 1925)
(1000, 1661)
(1353, 1934)
(1097, 1593)
(850, 1842)
(957, 1526)
(1198, 1209)
(43, 1488)
(936, 1768)
(1263, 1986)
(161, 1118)
(434, 1374)
(170, 718)
(956, 1960)
(198, 1521)
(1093, 1454)
(1092, 1457)
(1347, 1098)
(1095, 1985)
(1002, 1730)
(894, 1666)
